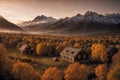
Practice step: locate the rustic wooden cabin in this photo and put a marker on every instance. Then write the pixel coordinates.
(26, 49)
(73, 54)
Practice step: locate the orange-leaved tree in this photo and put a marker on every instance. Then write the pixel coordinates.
(114, 74)
(76, 71)
(52, 73)
(101, 71)
(116, 59)
(24, 71)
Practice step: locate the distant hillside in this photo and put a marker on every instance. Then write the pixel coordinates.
(8, 26)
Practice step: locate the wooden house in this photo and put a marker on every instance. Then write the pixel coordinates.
(26, 49)
(73, 54)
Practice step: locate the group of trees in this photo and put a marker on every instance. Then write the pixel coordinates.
(78, 71)
(24, 71)
(52, 46)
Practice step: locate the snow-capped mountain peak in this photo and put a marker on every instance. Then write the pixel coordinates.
(83, 20)
(40, 18)
(43, 18)
(77, 18)
(95, 17)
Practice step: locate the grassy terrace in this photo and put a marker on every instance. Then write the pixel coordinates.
(39, 62)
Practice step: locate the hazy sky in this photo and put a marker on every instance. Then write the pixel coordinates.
(23, 10)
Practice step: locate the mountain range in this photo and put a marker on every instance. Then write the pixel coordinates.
(89, 23)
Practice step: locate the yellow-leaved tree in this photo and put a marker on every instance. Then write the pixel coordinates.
(76, 71)
(45, 49)
(99, 51)
(52, 73)
(41, 49)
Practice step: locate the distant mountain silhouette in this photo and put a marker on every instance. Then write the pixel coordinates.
(6, 25)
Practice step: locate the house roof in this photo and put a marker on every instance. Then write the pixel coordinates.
(68, 51)
(23, 47)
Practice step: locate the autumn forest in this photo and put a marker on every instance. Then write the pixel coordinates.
(41, 59)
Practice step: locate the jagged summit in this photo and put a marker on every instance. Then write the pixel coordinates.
(43, 18)
(77, 18)
(40, 18)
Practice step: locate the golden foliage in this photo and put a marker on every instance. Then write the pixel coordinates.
(41, 49)
(114, 74)
(101, 71)
(77, 45)
(44, 49)
(76, 72)
(52, 73)
(99, 52)
(24, 71)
